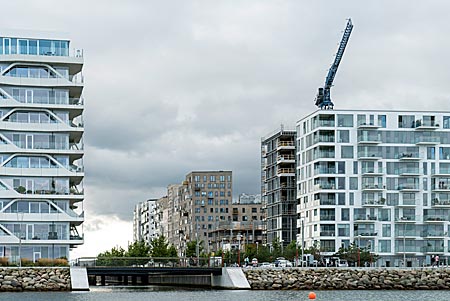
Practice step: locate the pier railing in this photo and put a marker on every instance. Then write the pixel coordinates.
(152, 262)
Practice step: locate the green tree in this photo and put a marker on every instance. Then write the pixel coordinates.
(139, 251)
(354, 254)
(112, 257)
(191, 248)
(159, 247)
(276, 247)
(291, 250)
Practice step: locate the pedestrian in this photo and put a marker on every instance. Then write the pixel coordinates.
(436, 258)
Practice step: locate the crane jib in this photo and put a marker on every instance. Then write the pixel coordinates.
(323, 98)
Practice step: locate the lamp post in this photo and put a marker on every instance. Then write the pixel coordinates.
(20, 236)
(239, 249)
(257, 243)
(404, 244)
(359, 250)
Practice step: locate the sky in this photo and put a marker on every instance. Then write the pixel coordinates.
(176, 86)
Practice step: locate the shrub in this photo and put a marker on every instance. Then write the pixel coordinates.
(25, 262)
(4, 261)
(44, 262)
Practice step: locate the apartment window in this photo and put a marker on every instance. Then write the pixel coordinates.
(406, 121)
(222, 178)
(425, 199)
(315, 212)
(254, 210)
(425, 168)
(353, 183)
(355, 167)
(343, 230)
(341, 199)
(444, 153)
(197, 179)
(382, 121)
(343, 136)
(352, 199)
(361, 119)
(446, 123)
(212, 178)
(345, 214)
(243, 210)
(205, 178)
(386, 230)
(345, 120)
(346, 151)
(385, 246)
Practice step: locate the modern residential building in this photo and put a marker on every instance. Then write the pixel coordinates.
(145, 221)
(379, 179)
(41, 146)
(278, 185)
(206, 202)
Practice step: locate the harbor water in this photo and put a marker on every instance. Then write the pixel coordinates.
(117, 293)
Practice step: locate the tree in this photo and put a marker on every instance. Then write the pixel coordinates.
(159, 247)
(111, 257)
(138, 249)
(276, 247)
(356, 255)
(191, 248)
(291, 250)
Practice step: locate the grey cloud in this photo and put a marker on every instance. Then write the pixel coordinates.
(174, 86)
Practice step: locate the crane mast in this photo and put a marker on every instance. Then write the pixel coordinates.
(323, 98)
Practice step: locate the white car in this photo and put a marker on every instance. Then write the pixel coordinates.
(266, 265)
(283, 263)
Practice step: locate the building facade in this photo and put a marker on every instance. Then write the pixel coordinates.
(278, 185)
(379, 179)
(145, 221)
(41, 134)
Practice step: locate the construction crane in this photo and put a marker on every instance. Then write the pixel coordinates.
(323, 98)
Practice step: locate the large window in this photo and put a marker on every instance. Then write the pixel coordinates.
(34, 47)
(346, 151)
(345, 120)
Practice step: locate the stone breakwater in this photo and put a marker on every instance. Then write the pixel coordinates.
(348, 279)
(34, 279)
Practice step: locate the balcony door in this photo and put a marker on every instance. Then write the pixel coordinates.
(29, 141)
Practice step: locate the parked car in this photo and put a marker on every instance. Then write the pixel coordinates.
(266, 265)
(283, 263)
(342, 263)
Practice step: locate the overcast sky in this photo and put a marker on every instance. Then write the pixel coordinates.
(175, 86)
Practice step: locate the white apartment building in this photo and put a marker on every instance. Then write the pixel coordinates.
(145, 221)
(41, 147)
(379, 179)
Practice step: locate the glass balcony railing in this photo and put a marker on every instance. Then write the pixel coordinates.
(362, 217)
(324, 170)
(328, 202)
(327, 217)
(323, 123)
(369, 138)
(408, 155)
(408, 187)
(406, 218)
(435, 218)
(408, 202)
(373, 201)
(409, 171)
(365, 154)
(323, 138)
(365, 232)
(323, 154)
(327, 233)
(372, 170)
(372, 185)
(427, 139)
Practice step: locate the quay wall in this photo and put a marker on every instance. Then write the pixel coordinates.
(348, 278)
(34, 279)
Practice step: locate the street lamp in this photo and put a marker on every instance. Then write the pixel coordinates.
(257, 243)
(359, 250)
(239, 248)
